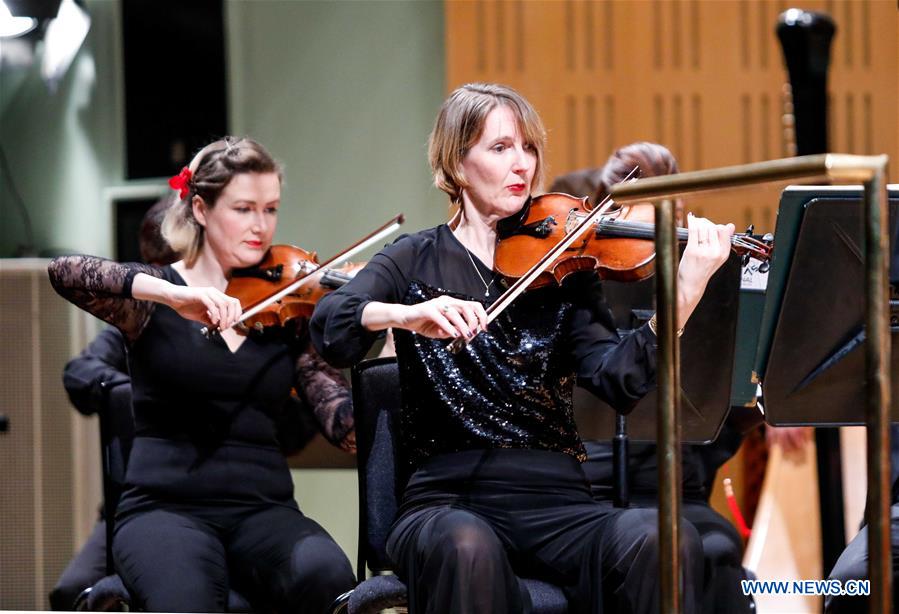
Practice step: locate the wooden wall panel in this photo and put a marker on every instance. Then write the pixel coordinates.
(704, 78)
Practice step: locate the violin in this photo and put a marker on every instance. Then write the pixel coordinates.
(620, 246)
(281, 266)
(288, 282)
(558, 234)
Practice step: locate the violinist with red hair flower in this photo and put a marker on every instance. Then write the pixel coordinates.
(209, 501)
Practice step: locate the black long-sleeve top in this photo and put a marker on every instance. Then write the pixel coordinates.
(511, 388)
(204, 415)
(102, 365)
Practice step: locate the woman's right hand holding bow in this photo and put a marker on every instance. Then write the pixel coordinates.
(207, 305)
(444, 317)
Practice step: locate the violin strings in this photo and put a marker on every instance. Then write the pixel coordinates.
(375, 236)
(507, 297)
(516, 288)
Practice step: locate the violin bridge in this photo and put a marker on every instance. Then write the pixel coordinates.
(572, 220)
(575, 217)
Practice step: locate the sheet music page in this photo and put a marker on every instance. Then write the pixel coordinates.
(752, 278)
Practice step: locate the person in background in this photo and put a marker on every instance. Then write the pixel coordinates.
(653, 159)
(722, 545)
(853, 562)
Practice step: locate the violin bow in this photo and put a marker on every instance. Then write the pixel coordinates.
(522, 283)
(366, 241)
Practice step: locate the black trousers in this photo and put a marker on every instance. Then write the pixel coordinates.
(472, 520)
(84, 570)
(722, 551)
(721, 544)
(184, 559)
(853, 565)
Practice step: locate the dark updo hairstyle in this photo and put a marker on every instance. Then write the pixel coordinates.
(154, 249)
(652, 158)
(212, 169)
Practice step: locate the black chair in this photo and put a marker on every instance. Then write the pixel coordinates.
(109, 594)
(116, 435)
(382, 479)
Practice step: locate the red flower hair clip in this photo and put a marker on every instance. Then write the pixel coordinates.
(181, 182)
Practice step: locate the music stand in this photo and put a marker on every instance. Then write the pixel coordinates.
(811, 350)
(707, 358)
(744, 385)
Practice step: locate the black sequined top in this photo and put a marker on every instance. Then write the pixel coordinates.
(512, 387)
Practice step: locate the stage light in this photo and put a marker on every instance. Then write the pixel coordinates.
(63, 39)
(14, 26)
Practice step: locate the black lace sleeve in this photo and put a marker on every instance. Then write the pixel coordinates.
(328, 394)
(103, 288)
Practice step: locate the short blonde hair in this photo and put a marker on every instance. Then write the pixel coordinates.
(211, 171)
(459, 126)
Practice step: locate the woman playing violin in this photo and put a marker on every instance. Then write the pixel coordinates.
(497, 488)
(209, 502)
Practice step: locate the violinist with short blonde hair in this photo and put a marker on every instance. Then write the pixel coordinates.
(497, 489)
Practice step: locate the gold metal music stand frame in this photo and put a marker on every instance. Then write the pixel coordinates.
(871, 172)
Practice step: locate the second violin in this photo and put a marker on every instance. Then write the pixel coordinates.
(283, 265)
(288, 282)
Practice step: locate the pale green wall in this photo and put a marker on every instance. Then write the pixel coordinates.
(64, 148)
(331, 498)
(343, 93)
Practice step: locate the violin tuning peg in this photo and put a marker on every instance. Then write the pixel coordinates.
(764, 266)
(744, 259)
(750, 229)
(768, 238)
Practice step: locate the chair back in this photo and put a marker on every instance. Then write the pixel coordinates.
(116, 438)
(382, 472)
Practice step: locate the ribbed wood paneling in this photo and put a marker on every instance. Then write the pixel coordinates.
(704, 78)
(50, 456)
